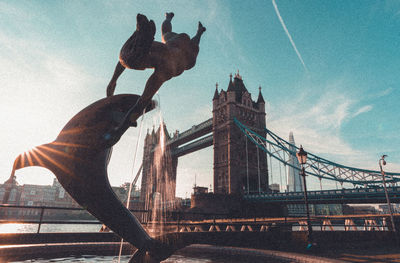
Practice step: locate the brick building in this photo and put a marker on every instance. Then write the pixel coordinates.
(30, 195)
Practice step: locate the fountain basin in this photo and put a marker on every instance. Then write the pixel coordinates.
(107, 251)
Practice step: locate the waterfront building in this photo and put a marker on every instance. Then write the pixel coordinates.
(314, 209)
(30, 195)
(275, 188)
(9, 191)
(37, 195)
(122, 194)
(328, 209)
(359, 209)
(384, 208)
(200, 190)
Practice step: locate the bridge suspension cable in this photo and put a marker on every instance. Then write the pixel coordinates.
(316, 166)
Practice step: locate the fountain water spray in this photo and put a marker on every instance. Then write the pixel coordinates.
(131, 184)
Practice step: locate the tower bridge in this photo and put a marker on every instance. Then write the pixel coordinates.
(244, 150)
(233, 173)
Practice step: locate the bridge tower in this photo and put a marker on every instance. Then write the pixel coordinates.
(238, 166)
(159, 169)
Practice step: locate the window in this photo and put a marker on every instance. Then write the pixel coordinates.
(61, 193)
(33, 192)
(13, 195)
(30, 203)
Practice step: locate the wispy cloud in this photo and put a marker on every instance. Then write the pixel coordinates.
(317, 126)
(363, 109)
(288, 35)
(385, 92)
(379, 93)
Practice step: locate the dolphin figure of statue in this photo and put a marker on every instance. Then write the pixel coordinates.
(79, 158)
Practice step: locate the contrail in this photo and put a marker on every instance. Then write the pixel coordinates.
(288, 34)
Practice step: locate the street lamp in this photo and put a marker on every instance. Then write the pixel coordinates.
(383, 162)
(302, 158)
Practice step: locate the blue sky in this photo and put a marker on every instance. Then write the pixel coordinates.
(338, 92)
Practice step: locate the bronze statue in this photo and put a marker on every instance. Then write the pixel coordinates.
(175, 54)
(79, 156)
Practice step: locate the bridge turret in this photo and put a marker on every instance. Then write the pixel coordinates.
(231, 94)
(216, 96)
(260, 100)
(230, 166)
(261, 108)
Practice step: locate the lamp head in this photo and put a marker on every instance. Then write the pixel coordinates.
(383, 159)
(301, 155)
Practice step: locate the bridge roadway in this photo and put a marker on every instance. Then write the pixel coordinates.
(195, 132)
(341, 196)
(193, 146)
(183, 143)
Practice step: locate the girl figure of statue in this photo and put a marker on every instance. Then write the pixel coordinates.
(169, 58)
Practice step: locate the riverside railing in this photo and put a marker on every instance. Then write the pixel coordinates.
(180, 220)
(36, 215)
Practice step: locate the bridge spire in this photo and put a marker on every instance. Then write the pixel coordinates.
(216, 96)
(230, 86)
(237, 75)
(260, 96)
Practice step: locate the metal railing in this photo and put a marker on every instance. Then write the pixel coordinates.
(38, 217)
(176, 220)
(8, 215)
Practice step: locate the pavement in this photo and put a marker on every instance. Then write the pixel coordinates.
(378, 254)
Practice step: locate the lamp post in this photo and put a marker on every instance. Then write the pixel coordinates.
(381, 163)
(302, 158)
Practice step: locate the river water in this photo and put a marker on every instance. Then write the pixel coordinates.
(207, 254)
(57, 228)
(205, 258)
(48, 228)
(124, 259)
